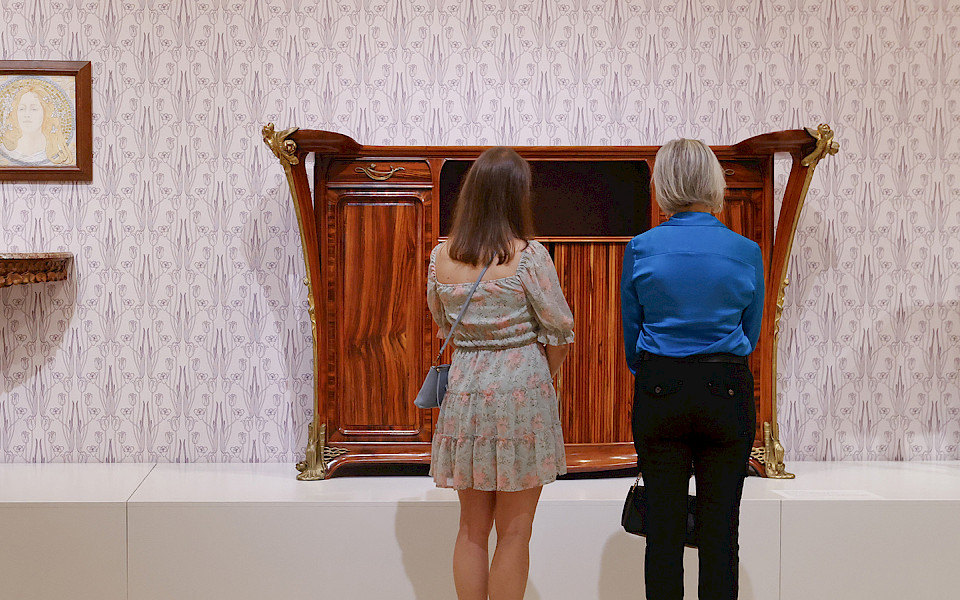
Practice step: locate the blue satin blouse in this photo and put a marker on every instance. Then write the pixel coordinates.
(691, 286)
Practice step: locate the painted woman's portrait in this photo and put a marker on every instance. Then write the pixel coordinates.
(37, 122)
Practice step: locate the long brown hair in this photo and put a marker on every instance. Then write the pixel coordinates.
(493, 209)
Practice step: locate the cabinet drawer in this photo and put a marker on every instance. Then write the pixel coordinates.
(742, 173)
(373, 171)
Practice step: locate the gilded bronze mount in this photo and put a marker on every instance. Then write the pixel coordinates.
(318, 454)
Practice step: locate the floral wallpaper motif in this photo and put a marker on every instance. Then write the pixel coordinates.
(183, 334)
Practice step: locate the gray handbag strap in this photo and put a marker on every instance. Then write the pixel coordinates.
(453, 327)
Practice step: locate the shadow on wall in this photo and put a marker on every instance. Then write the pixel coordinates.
(621, 568)
(426, 543)
(35, 326)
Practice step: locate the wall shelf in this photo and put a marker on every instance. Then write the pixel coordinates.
(33, 267)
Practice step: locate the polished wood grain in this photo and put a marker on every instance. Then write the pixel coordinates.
(742, 173)
(777, 270)
(581, 458)
(594, 386)
(378, 318)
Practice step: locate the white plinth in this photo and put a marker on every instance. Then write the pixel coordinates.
(870, 531)
(903, 542)
(64, 530)
(248, 531)
(253, 531)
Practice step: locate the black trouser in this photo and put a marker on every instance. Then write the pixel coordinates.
(699, 413)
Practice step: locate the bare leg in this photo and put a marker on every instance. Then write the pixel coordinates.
(470, 558)
(511, 561)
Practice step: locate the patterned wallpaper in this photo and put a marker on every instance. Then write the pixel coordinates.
(183, 335)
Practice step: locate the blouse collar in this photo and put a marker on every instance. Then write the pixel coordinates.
(694, 218)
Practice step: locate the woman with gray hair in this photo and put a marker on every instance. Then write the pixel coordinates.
(692, 299)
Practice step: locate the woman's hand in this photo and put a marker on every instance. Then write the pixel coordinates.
(555, 357)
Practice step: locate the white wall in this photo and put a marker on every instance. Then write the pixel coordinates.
(183, 335)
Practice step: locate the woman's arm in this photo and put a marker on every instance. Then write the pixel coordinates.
(630, 308)
(545, 296)
(753, 315)
(555, 357)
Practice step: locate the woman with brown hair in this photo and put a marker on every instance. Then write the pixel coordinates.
(498, 437)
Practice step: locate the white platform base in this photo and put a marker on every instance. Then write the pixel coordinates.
(63, 530)
(229, 535)
(867, 531)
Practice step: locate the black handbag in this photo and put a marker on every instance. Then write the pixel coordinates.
(634, 516)
(435, 383)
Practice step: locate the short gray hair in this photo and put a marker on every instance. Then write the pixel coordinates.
(687, 172)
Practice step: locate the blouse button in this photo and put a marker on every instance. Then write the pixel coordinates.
(730, 392)
(658, 389)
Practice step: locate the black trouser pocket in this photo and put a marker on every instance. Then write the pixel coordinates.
(664, 385)
(657, 391)
(732, 385)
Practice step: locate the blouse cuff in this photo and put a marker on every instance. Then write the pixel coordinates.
(555, 338)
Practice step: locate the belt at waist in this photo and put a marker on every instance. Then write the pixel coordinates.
(719, 357)
(492, 346)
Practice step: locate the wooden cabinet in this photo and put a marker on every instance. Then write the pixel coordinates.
(370, 215)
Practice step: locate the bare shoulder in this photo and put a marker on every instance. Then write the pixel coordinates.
(453, 272)
(442, 253)
(447, 268)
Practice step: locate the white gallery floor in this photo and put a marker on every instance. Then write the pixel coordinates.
(851, 531)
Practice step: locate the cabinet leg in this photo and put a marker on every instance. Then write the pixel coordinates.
(318, 455)
(314, 467)
(773, 455)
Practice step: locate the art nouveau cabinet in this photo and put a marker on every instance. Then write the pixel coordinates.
(369, 216)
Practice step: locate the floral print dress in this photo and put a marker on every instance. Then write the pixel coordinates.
(499, 424)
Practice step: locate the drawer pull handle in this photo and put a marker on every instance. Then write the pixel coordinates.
(728, 172)
(372, 172)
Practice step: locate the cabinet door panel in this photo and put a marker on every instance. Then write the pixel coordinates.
(594, 385)
(379, 315)
(742, 212)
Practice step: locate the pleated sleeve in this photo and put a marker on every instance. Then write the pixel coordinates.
(542, 286)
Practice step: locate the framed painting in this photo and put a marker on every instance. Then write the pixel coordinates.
(46, 122)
